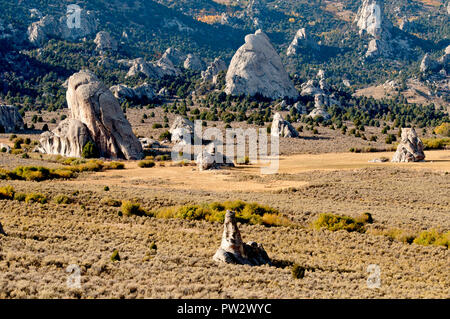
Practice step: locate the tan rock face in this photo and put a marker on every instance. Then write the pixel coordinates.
(232, 249)
(93, 104)
(410, 148)
(67, 139)
(256, 68)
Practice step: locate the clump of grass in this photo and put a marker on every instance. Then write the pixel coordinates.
(246, 213)
(20, 197)
(298, 272)
(146, 164)
(35, 173)
(106, 188)
(62, 199)
(433, 237)
(115, 165)
(334, 222)
(110, 202)
(7, 192)
(36, 198)
(129, 208)
(400, 235)
(115, 256)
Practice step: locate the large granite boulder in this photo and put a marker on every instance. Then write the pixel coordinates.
(95, 116)
(67, 139)
(194, 63)
(182, 130)
(428, 64)
(232, 249)
(282, 128)
(93, 104)
(256, 68)
(143, 92)
(10, 119)
(410, 148)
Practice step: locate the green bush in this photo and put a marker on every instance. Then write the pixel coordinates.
(20, 197)
(334, 222)
(36, 198)
(115, 256)
(443, 129)
(146, 164)
(433, 237)
(110, 202)
(436, 143)
(129, 208)
(62, 199)
(165, 136)
(115, 165)
(7, 192)
(90, 150)
(156, 126)
(298, 272)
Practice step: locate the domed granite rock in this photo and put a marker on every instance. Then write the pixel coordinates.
(193, 62)
(10, 119)
(67, 139)
(210, 159)
(104, 41)
(256, 68)
(282, 128)
(96, 107)
(233, 251)
(182, 130)
(410, 148)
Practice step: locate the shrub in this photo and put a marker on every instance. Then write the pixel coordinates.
(7, 192)
(20, 197)
(90, 150)
(106, 189)
(115, 165)
(298, 272)
(146, 164)
(129, 208)
(334, 222)
(433, 237)
(62, 199)
(32, 173)
(110, 202)
(36, 198)
(156, 126)
(443, 129)
(165, 136)
(436, 143)
(115, 256)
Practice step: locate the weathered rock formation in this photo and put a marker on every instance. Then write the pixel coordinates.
(300, 41)
(105, 42)
(149, 143)
(210, 74)
(143, 92)
(182, 130)
(67, 139)
(372, 21)
(10, 119)
(193, 62)
(410, 148)
(233, 251)
(68, 27)
(209, 158)
(92, 104)
(428, 64)
(282, 128)
(256, 68)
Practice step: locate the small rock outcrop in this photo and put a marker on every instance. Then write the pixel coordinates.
(194, 63)
(256, 68)
(210, 74)
(301, 40)
(233, 251)
(92, 104)
(410, 148)
(149, 143)
(143, 92)
(105, 42)
(428, 64)
(67, 139)
(182, 130)
(10, 119)
(207, 159)
(2, 231)
(282, 128)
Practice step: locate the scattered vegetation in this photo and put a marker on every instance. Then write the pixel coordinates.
(298, 272)
(36, 198)
(433, 237)
(443, 129)
(146, 164)
(436, 143)
(115, 256)
(334, 222)
(62, 199)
